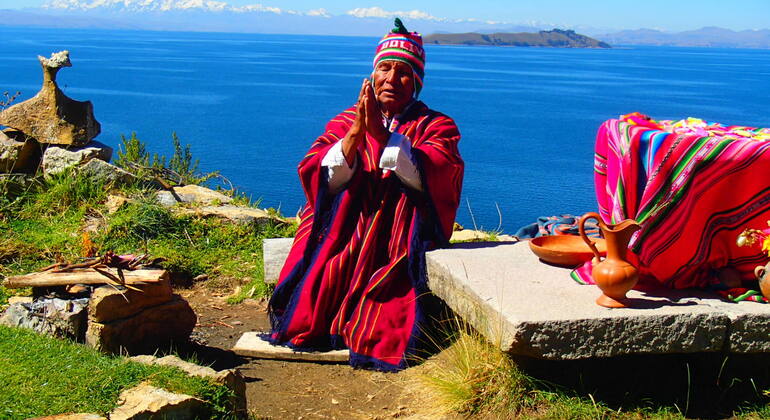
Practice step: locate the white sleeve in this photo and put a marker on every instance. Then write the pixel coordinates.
(337, 168)
(397, 157)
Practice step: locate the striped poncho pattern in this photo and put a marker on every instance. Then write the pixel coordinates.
(692, 187)
(355, 276)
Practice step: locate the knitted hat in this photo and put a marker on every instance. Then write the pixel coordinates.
(402, 45)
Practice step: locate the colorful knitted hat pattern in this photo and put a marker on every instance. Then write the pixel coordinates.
(402, 45)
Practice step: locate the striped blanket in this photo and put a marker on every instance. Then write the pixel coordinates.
(355, 276)
(693, 186)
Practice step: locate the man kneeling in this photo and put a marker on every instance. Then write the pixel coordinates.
(382, 185)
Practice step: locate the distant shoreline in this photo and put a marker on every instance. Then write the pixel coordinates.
(555, 38)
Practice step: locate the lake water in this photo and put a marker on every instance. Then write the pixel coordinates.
(250, 105)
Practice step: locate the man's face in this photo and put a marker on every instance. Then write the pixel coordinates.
(393, 85)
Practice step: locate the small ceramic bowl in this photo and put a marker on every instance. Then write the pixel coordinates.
(565, 250)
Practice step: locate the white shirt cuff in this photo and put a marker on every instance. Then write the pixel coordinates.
(397, 157)
(337, 168)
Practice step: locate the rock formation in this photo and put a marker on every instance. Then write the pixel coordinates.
(51, 117)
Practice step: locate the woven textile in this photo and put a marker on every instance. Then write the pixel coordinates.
(355, 276)
(693, 186)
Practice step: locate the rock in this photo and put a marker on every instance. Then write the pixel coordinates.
(18, 155)
(145, 332)
(194, 194)
(237, 214)
(63, 318)
(19, 299)
(50, 116)
(114, 203)
(108, 303)
(148, 402)
(71, 416)
(102, 171)
(468, 235)
(15, 184)
(274, 254)
(230, 378)
(57, 159)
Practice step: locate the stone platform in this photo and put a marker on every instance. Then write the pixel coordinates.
(530, 308)
(252, 345)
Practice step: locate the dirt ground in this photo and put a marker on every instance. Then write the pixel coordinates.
(298, 390)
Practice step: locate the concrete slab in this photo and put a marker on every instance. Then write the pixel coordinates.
(749, 330)
(274, 253)
(252, 345)
(531, 308)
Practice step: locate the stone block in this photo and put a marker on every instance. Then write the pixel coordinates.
(749, 326)
(18, 153)
(252, 345)
(145, 332)
(109, 304)
(274, 254)
(148, 402)
(57, 159)
(102, 171)
(530, 308)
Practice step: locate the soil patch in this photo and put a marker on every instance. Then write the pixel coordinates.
(297, 390)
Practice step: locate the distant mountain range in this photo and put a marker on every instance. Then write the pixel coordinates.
(219, 16)
(554, 38)
(704, 37)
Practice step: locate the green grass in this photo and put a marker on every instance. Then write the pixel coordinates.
(229, 254)
(44, 376)
(475, 379)
(46, 221)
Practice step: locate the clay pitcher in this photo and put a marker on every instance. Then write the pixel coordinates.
(614, 275)
(761, 273)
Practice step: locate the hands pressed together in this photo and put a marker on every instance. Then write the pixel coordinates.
(368, 120)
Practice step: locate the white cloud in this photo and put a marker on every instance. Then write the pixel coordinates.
(379, 12)
(157, 5)
(257, 8)
(319, 12)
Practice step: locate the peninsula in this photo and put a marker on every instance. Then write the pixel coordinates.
(555, 38)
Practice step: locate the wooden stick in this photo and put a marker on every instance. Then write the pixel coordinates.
(83, 276)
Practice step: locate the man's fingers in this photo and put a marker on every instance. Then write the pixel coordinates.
(362, 92)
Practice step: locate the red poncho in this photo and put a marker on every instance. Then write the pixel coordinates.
(355, 276)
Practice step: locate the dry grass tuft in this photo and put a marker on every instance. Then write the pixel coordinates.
(473, 377)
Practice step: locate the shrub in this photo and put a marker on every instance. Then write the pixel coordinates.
(181, 169)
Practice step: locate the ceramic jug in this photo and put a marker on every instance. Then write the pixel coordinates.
(761, 273)
(614, 275)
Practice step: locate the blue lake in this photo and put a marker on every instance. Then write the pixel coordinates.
(250, 105)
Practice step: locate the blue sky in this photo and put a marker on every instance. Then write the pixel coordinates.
(659, 14)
